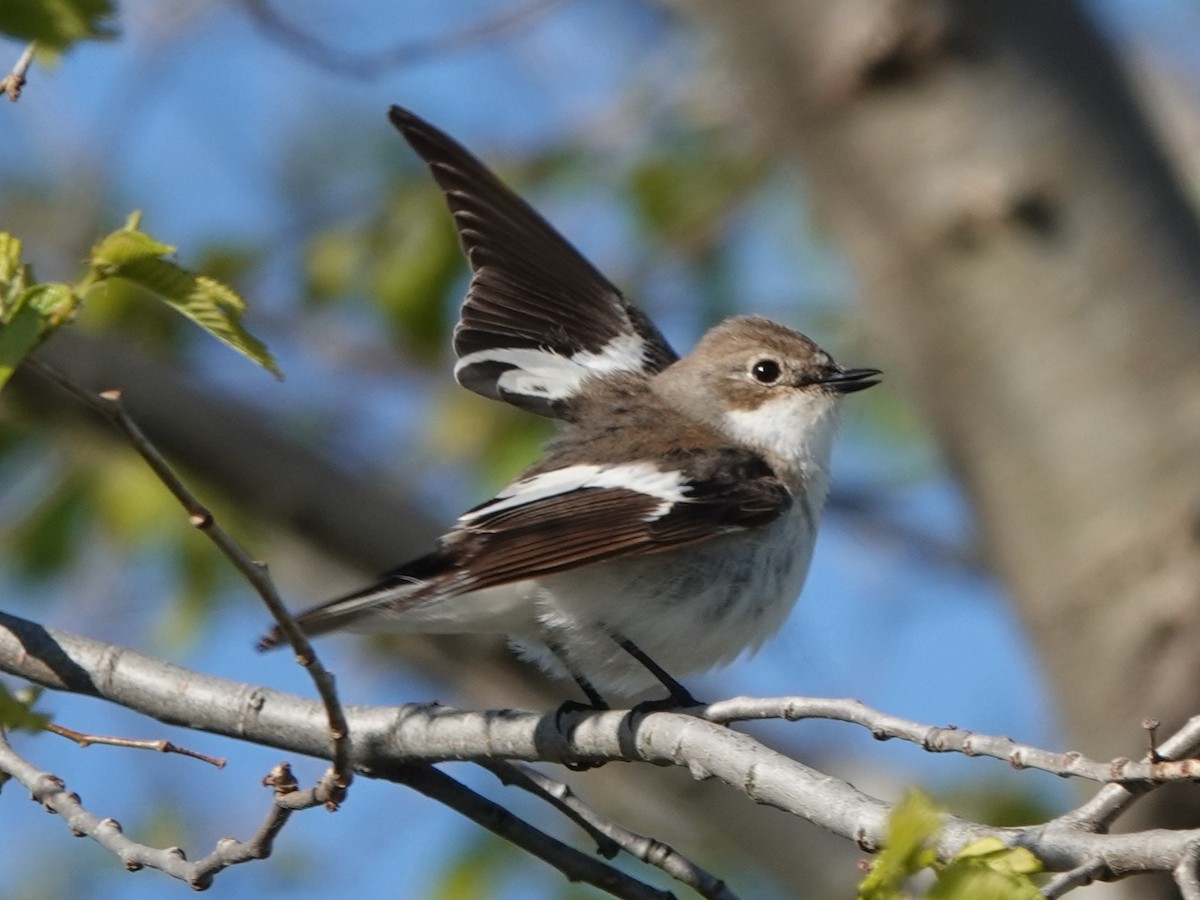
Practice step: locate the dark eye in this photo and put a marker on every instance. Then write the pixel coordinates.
(765, 371)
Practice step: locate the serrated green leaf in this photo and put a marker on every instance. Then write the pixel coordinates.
(17, 713)
(136, 257)
(56, 24)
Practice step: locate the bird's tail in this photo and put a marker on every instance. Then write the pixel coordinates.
(392, 591)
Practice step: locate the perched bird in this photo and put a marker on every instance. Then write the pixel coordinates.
(670, 526)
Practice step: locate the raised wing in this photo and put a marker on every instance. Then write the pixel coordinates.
(538, 318)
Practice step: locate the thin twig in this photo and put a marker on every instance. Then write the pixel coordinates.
(575, 865)
(517, 775)
(367, 65)
(952, 739)
(50, 791)
(335, 783)
(1099, 813)
(611, 836)
(162, 746)
(14, 81)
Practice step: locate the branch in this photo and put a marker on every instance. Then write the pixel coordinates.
(952, 739)
(50, 791)
(368, 65)
(611, 836)
(1099, 813)
(161, 746)
(14, 81)
(387, 737)
(576, 866)
(108, 403)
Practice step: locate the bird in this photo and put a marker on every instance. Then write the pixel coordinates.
(670, 525)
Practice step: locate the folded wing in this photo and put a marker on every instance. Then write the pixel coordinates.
(564, 519)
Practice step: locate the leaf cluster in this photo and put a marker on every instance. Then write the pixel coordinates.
(985, 870)
(31, 311)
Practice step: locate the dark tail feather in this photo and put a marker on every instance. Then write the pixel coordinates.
(341, 611)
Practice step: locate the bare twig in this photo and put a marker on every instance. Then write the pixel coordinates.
(1112, 801)
(335, 783)
(610, 836)
(952, 739)
(367, 65)
(14, 81)
(572, 863)
(50, 791)
(516, 775)
(162, 746)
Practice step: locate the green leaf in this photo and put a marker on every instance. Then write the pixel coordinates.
(13, 275)
(134, 256)
(912, 826)
(18, 337)
(56, 24)
(27, 314)
(988, 870)
(16, 712)
(999, 855)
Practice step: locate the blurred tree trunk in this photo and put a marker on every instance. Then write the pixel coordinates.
(1031, 273)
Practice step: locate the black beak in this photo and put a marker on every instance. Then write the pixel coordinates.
(850, 380)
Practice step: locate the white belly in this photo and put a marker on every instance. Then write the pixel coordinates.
(690, 619)
(733, 594)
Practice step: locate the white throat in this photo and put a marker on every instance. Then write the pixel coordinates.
(795, 433)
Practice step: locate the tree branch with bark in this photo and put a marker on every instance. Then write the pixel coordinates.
(399, 744)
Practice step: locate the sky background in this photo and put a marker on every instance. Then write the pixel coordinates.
(195, 116)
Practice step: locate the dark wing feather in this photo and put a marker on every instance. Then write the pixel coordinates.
(566, 531)
(531, 289)
(593, 525)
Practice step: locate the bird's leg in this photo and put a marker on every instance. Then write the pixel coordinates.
(595, 701)
(678, 696)
(589, 690)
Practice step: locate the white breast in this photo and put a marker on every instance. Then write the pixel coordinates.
(688, 609)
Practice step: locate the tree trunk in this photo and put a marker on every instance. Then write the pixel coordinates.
(1030, 270)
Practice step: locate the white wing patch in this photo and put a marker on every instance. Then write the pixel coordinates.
(624, 353)
(669, 486)
(550, 376)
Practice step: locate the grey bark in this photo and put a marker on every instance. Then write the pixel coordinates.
(387, 738)
(1030, 270)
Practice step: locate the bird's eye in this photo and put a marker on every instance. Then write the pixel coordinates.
(765, 371)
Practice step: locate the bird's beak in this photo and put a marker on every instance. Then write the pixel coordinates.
(850, 380)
